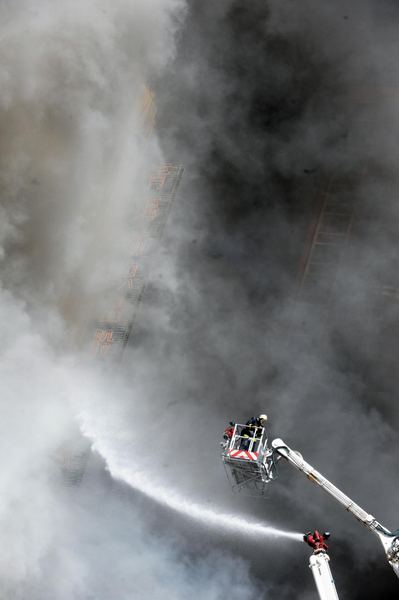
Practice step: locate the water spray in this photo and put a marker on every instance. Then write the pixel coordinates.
(173, 499)
(210, 517)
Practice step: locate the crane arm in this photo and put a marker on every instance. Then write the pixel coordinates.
(390, 541)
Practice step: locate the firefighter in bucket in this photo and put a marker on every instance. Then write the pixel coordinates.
(251, 430)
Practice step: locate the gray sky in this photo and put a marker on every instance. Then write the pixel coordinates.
(256, 100)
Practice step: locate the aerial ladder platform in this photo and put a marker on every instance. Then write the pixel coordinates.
(251, 464)
(248, 460)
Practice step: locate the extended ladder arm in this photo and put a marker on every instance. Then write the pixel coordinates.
(390, 541)
(324, 581)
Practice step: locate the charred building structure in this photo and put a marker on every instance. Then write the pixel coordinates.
(104, 326)
(346, 304)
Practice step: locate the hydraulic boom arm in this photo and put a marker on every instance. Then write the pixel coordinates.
(390, 541)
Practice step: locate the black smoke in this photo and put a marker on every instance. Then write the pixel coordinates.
(265, 104)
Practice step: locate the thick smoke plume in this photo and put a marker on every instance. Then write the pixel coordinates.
(263, 103)
(70, 77)
(274, 100)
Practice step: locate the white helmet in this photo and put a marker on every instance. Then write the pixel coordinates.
(262, 418)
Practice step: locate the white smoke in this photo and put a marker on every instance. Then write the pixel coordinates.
(70, 74)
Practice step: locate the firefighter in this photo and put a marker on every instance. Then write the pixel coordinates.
(257, 421)
(251, 430)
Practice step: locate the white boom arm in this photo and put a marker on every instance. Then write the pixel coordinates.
(389, 541)
(325, 584)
